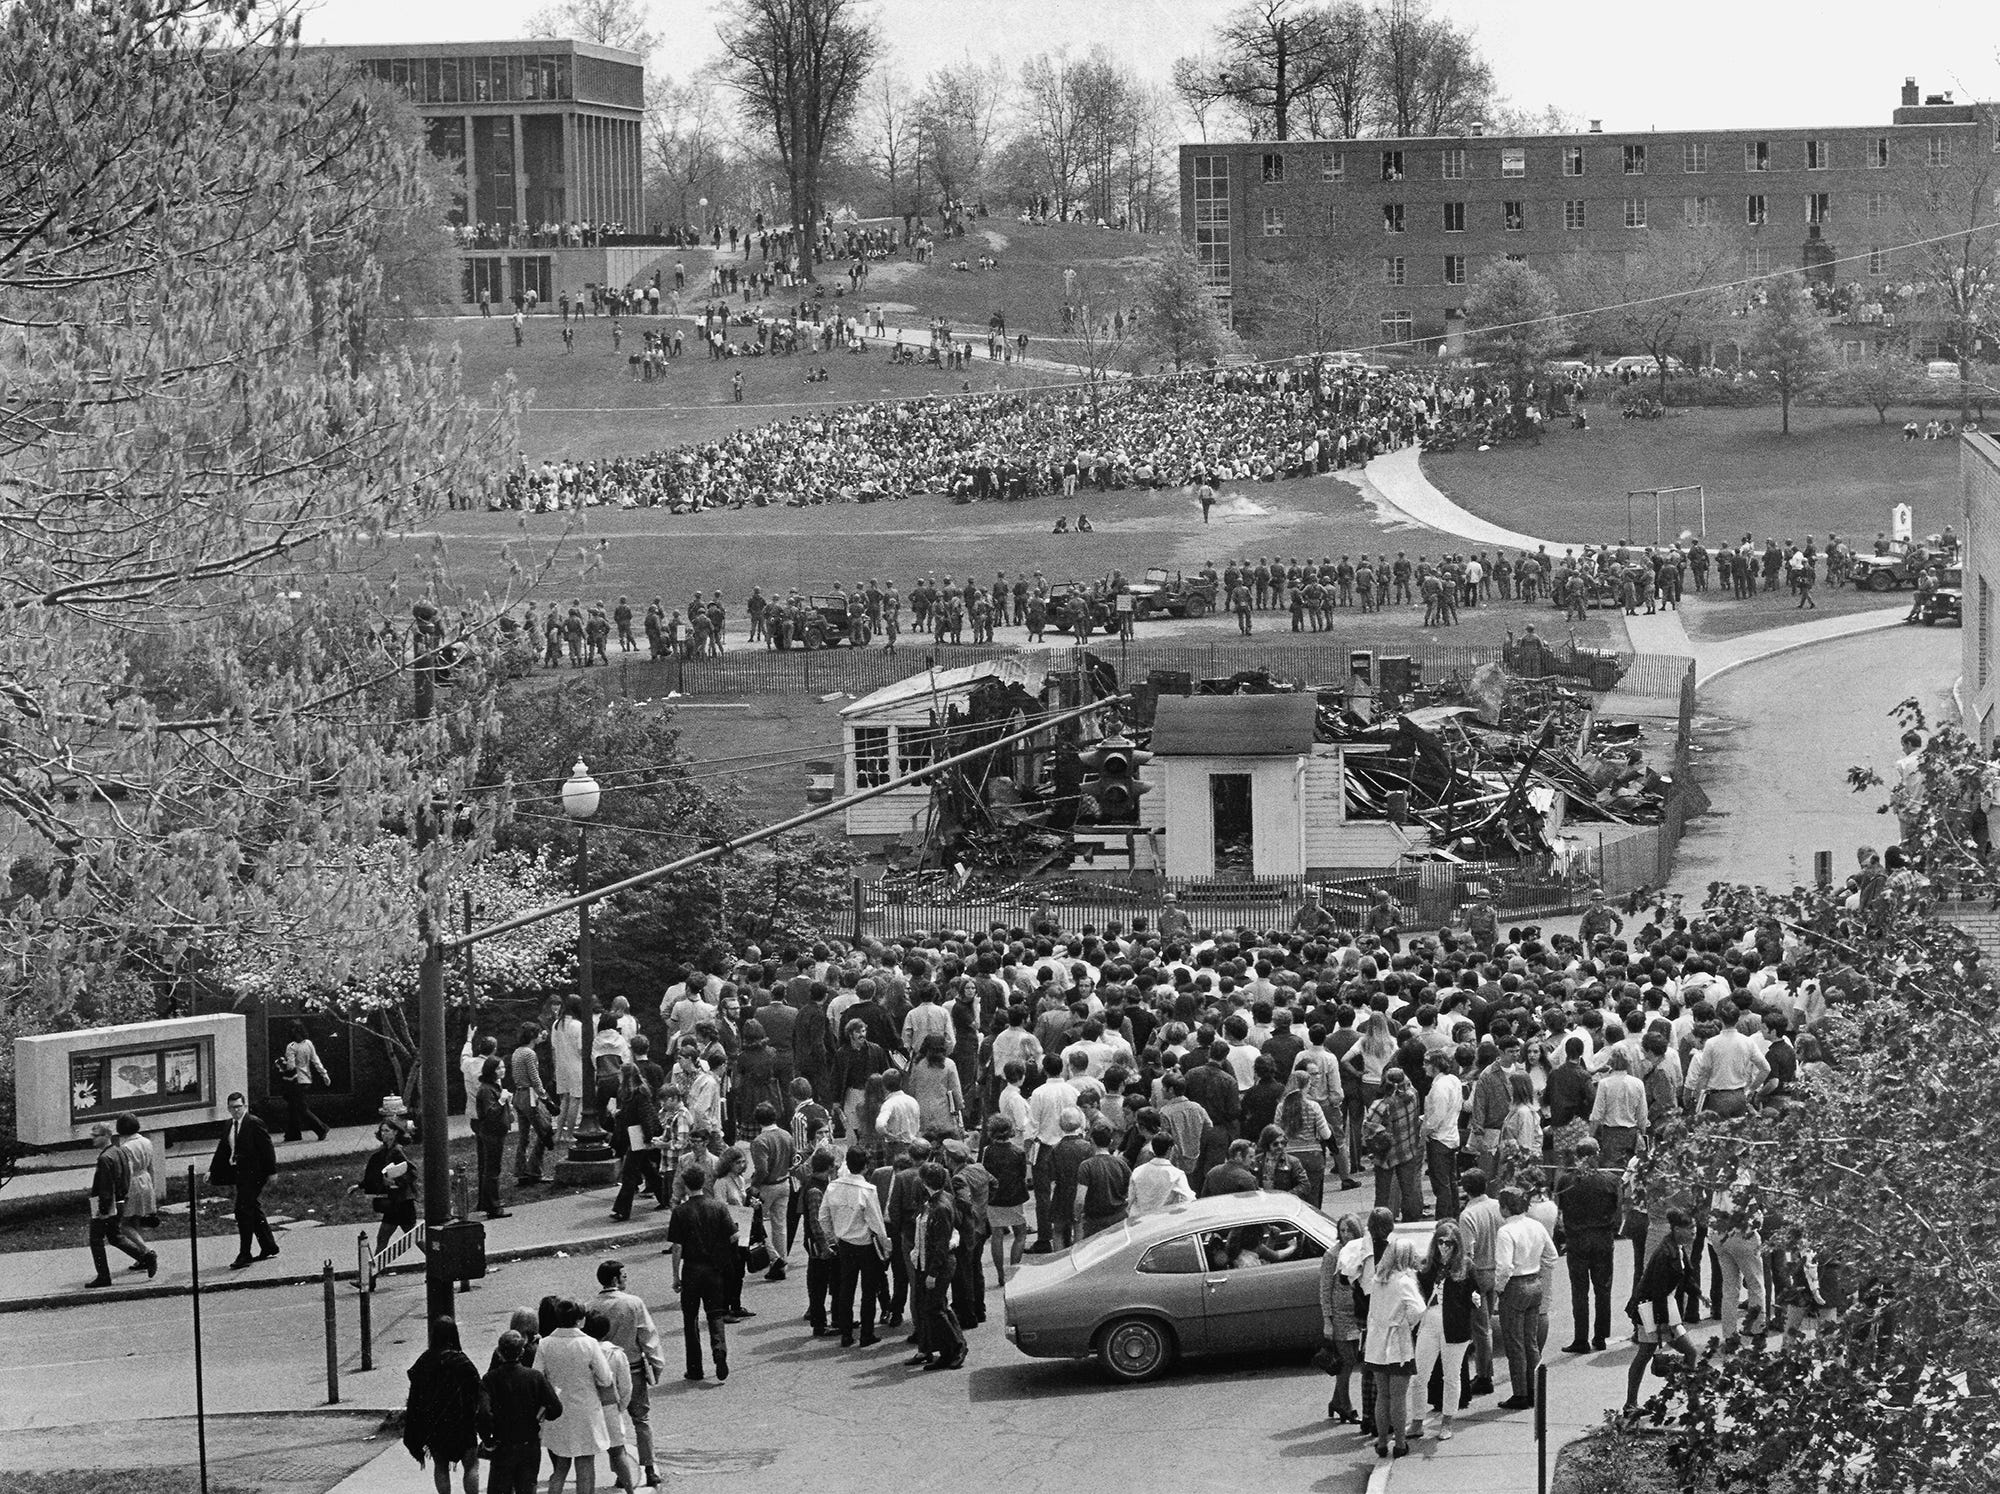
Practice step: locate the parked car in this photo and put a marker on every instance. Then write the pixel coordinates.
(1144, 1293)
(1898, 568)
(1164, 594)
(833, 619)
(1062, 601)
(1941, 368)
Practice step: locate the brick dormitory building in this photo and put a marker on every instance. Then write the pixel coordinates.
(1419, 218)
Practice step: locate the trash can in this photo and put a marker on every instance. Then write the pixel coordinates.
(1604, 671)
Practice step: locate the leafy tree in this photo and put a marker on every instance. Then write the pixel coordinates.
(1178, 320)
(1511, 319)
(954, 126)
(1788, 343)
(201, 448)
(798, 68)
(611, 23)
(1878, 1169)
(656, 806)
(1428, 77)
(1664, 297)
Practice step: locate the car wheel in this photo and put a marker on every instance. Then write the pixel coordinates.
(1881, 581)
(1135, 1349)
(1197, 607)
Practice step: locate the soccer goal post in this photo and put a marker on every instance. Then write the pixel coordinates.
(1670, 506)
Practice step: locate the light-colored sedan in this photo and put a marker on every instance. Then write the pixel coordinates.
(1218, 1276)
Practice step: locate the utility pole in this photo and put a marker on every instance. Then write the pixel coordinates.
(433, 1102)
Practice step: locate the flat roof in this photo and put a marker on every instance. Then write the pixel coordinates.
(1234, 725)
(1620, 136)
(513, 46)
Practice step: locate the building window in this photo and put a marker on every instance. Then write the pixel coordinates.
(1211, 218)
(1454, 217)
(1332, 166)
(1326, 220)
(1694, 157)
(1938, 152)
(1698, 212)
(1635, 160)
(1454, 269)
(1274, 166)
(1392, 165)
(1573, 213)
(1392, 270)
(1819, 206)
(1878, 205)
(1985, 632)
(1816, 155)
(1572, 160)
(1274, 223)
(1756, 261)
(1754, 212)
(1396, 326)
(1392, 217)
(1878, 152)
(1454, 163)
(1878, 260)
(871, 756)
(1756, 155)
(916, 749)
(1514, 216)
(1635, 212)
(1513, 161)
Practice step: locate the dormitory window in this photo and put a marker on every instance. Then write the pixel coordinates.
(1878, 260)
(1816, 155)
(1454, 163)
(1572, 160)
(1819, 206)
(1939, 152)
(1756, 261)
(1392, 217)
(1274, 222)
(1878, 204)
(1396, 326)
(1878, 152)
(1756, 155)
(1454, 269)
(1392, 165)
(1392, 270)
(1454, 217)
(1697, 212)
(1573, 213)
(1274, 166)
(1513, 161)
(1635, 212)
(1514, 215)
(1694, 157)
(1635, 160)
(1754, 212)
(1332, 166)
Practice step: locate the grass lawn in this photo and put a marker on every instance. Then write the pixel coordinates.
(1723, 617)
(316, 1189)
(1838, 471)
(587, 404)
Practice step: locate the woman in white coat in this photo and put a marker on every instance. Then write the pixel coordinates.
(576, 1366)
(566, 1043)
(1389, 1352)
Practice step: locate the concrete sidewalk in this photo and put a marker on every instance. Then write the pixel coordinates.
(575, 1223)
(1396, 483)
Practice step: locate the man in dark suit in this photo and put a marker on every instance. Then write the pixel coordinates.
(246, 1160)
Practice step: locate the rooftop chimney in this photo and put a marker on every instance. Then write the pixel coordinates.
(1910, 94)
(1597, 127)
(1478, 128)
(1938, 98)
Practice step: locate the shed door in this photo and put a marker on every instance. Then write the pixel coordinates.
(1229, 815)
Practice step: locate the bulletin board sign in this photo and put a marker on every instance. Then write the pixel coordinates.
(171, 1075)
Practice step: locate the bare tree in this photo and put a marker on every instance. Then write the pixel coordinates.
(1668, 294)
(1429, 78)
(1338, 108)
(955, 114)
(1954, 264)
(689, 154)
(798, 67)
(886, 134)
(1273, 54)
(611, 23)
(1048, 103)
(1303, 302)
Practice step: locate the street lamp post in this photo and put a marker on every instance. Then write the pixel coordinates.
(590, 1157)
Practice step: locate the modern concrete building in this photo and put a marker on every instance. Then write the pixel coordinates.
(1421, 217)
(546, 135)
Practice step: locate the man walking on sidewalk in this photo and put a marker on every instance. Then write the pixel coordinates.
(108, 1187)
(634, 1335)
(701, 1236)
(245, 1160)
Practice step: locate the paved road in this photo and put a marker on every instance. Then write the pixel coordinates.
(1777, 738)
